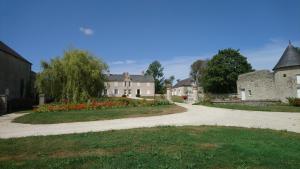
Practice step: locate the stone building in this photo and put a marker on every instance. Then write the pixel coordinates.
(183, 87)
(15, 74)
(129, 85)
(280, 84)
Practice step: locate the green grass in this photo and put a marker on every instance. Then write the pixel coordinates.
(178, 99)
(273, 108)
(155, 148)
(91, 115)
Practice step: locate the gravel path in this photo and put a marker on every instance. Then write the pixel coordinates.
(196, 115)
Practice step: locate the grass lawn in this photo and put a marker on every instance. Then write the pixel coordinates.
(155, 148)
(90, 115)
(178, 99)
(274, 108)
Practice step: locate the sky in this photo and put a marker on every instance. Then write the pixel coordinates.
(129, 34)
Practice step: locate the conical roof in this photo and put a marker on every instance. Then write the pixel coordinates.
(290, 57)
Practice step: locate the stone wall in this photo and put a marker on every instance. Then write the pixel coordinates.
(14, 76)
(286, 82)
(182, 91)
(258, 85)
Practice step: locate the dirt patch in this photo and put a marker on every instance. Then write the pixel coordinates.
(64, 154)
(207, 146)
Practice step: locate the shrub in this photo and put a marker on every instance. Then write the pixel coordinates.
(161, 102)
(177, 99)
(138, 95)
(184, 97)
(293, 101)
(101, 103)
(124, 95)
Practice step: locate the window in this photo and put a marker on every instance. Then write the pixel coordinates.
(298, 79)
(284, 75)
(250, 93)
(129, 84)
(125, 83)
(129, 91)
(116, 91)
(138, 84)
(138, 91)
(125, 91)
(105, 92)
(115, 83)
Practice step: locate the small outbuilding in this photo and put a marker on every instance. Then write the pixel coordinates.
(278, 85)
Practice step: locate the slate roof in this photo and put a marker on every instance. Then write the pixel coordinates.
(290, 57)
(8, 50)
(134, 78)
(185, 82)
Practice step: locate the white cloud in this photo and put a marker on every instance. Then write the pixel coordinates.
(178, 66)
(86, 31)
(121, 62)
(117, 62)
(268, 55)
(264, 57)
(130, 61)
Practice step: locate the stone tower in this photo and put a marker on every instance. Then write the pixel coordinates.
(287, 74)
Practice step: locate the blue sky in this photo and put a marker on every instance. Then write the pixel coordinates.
(129, 34)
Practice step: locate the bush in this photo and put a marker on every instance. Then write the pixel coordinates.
(100, 103)
(124, 95)
(161, 102)
(293, 101)
(184, 97)
(207, 99)
(177, 99)
(138, 95)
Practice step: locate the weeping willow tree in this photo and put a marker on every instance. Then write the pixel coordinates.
(77, 76)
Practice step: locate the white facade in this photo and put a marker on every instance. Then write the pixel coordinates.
(129, 85)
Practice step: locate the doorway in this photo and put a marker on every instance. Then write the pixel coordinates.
(138, 92)
(243, 94)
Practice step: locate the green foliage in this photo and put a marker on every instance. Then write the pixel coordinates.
(222, 71)
(270, 108)
(170, 80)
(155, 70)
(197, 69)
(76, 76)
(178, 99)
(293, 101)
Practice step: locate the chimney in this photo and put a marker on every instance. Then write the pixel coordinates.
(126, 74)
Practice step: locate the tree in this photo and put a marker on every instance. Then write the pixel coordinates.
(77, 76)
(197, 69)
(156, 71)
(170, 80)
(222, 71)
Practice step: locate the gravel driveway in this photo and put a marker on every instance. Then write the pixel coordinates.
(196, 115)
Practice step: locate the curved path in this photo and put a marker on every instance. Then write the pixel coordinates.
(196, 115)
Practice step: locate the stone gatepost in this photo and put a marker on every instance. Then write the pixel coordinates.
(3, 104)
(169, 93)
(41, 99)
(195, 94)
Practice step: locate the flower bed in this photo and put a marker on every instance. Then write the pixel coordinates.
(99, 104)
